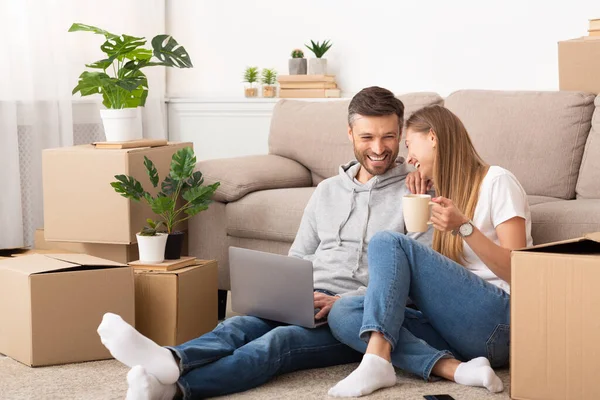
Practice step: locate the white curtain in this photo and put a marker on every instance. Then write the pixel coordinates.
(39, 68)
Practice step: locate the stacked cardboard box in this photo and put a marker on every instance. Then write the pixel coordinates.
(308, 86)
(83, 210)
(579, 61)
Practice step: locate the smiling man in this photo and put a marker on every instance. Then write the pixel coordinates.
(342, 215)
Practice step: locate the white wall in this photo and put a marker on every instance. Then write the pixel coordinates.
(435, 45)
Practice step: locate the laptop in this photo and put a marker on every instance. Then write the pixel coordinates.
(272, 286)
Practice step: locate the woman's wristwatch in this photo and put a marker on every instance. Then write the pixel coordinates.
(465, 230)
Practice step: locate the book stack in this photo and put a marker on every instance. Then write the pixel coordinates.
(594, 29)
(307, 86)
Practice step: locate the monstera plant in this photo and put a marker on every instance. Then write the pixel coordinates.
(182, 195)
(119, 77)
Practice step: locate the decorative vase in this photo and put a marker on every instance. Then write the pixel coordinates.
(122, 125)
(174, 244)
(152, 248)
(297, 66)
(269, 91)
(251, 92)
(317, 66)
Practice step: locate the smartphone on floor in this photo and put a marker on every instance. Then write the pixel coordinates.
(438, 397)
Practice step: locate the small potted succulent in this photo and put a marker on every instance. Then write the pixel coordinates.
(318, 65)
(251, 77)
(297, 64)
(182, 195)
(269, 79)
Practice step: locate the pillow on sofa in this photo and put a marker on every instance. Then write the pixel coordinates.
(538, 136)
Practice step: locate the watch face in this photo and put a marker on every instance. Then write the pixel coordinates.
(466, 229)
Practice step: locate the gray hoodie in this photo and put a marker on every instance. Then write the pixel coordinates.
(339, 220)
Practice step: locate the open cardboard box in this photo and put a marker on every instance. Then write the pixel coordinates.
(555, 324)
(52, 304)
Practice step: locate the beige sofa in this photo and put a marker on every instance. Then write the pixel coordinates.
(549, 140)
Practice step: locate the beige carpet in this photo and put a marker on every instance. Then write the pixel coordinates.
(106, 380)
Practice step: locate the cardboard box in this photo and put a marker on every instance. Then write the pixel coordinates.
(121, 253)
(52, 304)
(173, 307)
(555, 329)
(79, 203)
(579, 65)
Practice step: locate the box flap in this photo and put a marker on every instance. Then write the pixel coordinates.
(588, 244)
(41, 263)
(85, 259)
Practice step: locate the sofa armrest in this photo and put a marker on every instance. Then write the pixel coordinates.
(242, 175)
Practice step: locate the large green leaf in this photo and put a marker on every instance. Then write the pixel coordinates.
(116, 97)
(151, 170)
(183, 164)
(169, 185)
(121, 47)
(88, 28)
(129, 187)
(101, 64)
(160, 205)
(90, 82)
(199, 193)
(195, 180)
(170, 53)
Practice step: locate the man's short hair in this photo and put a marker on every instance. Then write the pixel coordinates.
(375, 101)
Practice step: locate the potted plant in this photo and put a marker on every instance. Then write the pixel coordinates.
(125, 87)
(152, 243)
(318, 65)
(269, 79)
(251, 76)
(297, 64)
(181, 195)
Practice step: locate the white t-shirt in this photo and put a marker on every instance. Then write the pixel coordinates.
(501, 197)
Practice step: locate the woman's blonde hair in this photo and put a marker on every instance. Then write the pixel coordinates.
(458, 170)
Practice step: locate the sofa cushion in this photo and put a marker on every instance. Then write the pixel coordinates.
(242, 175)
(314, 133)
(538, 136)
(588, 184)
(268, 214)
(565, 219)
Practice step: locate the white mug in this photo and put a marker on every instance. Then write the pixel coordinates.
(417, 213)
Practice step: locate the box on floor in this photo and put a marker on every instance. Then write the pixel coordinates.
(52, 304)
(173, 307)
(579, 64)
(555, 330)
(122, 253)
(79, 203)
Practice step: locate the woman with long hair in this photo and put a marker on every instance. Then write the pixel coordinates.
(460, 287)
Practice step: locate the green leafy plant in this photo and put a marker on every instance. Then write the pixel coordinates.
(297, 53)
(128, 85)
(319, 49)
(181, 181)
(269, 76)
(251, 75)
(152, 229)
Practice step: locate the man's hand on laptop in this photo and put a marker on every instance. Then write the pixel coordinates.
(324, 302)
(416, 184)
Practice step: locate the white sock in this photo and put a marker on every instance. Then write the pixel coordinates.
(478, 372)
(143, 386)
(132, 348)
(373, 373)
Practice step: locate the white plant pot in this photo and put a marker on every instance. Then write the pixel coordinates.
(122, 125)
(152, 248)
(317, 66)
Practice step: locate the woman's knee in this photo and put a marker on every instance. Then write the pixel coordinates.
(343, 314)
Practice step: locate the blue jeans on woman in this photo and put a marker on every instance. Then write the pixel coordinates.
(244, 352)
(460, 315)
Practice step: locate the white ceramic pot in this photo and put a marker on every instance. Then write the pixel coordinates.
(152, 248)
(122, 125)
(317, 66)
